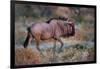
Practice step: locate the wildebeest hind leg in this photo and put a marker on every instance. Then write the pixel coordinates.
(60, 49)
(38, 48)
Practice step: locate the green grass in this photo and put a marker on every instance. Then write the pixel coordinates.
(80, 46)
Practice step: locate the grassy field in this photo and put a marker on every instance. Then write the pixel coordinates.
(75, 53)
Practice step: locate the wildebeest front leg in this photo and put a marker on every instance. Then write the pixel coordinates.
(54, 50)
(59, 40)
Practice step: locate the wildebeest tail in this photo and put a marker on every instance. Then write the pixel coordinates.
(27, 38)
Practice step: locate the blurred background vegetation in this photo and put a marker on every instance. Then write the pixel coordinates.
(26, 14)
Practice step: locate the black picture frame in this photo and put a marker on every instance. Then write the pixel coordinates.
(12, 34)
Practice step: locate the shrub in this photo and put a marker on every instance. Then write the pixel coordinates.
(80, 46)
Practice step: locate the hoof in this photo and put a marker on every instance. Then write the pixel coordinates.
(25, 46)
(59, 51)
(42, 55)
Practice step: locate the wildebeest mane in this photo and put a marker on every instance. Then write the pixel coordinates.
(51, 20)
(59, 18)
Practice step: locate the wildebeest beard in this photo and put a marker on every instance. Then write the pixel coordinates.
(70, 30)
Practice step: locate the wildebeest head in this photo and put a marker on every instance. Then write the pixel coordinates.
(70, 28)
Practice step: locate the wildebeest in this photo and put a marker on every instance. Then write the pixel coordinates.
(53, 28)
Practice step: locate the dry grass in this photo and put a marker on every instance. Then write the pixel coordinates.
(68, 55)
(26, 56)
(72, 54)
